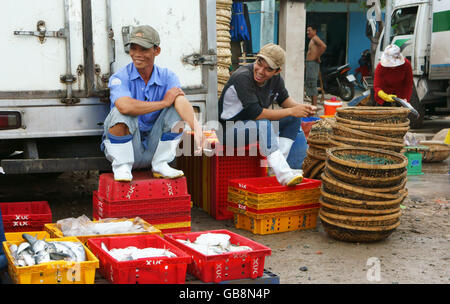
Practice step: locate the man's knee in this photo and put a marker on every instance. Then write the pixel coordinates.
(119, 129)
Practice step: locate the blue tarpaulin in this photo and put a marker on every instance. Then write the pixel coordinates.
(238, 27)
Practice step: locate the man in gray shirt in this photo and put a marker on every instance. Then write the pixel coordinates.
(246, 98)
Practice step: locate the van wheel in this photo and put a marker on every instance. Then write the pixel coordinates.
(416, 122)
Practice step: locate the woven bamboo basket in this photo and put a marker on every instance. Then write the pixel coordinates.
(349, 233)
(438, 151)
(316, 140)
(372, 124)
(337, 200)
(316, 153)
(343, 131)
(333, 186)
(331, 208)
(362, 180)
(377, 144)
(385, 189)
(322, 148)
(317, 171)
(357, 159)
(309, 164)
(364, 221)
(386, 115)
(396, 132)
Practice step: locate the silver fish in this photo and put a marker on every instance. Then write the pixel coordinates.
(42, 257)
(59, 256)
(78, 249)
(36, 244)
(23, 246)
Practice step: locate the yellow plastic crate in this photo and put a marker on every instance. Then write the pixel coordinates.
(173, 225)
(303, 219)
(55, 232)
(301, 196)
(57, 272)
(311, 198)
(17, 236)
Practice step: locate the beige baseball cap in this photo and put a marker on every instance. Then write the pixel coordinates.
(144, 35)
(273, 54)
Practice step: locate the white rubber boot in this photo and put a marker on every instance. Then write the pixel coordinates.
(285, 145)
(121, 157)
(164, 154)
(285, 175)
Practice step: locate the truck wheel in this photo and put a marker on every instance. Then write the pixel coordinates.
(416, 122)
(347, 90)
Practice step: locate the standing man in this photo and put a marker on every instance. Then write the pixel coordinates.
(316, 48)
(148, 111)
(244, 109)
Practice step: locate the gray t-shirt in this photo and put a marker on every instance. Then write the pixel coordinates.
(242, 99)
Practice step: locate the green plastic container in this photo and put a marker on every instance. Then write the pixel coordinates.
(414, 163)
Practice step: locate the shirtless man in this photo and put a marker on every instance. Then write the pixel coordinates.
(316, 48)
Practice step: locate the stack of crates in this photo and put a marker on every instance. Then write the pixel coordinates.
(263, 206)
(163, 203)
(25, 216)
(208, 175)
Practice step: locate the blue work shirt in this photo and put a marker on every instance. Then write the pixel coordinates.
(128, 82)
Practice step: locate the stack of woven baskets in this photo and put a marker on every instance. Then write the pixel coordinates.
(364, 178)
(318, 141)
(362, 189)
(372, 127)
(223, 20)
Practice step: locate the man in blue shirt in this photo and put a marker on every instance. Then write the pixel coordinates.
(148, 111)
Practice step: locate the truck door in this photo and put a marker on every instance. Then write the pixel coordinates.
(440, 41)
(187, 33)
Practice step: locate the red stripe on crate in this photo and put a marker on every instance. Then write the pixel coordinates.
(26, 211)
(273, 210)
(143, 186)
(269, 184)
(176, 230)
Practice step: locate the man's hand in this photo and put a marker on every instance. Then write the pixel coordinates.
(303, 110)
(171, 95)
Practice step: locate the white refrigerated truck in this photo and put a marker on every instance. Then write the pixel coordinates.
(56, 59)
(421, 28)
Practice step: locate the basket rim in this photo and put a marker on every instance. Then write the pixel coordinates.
(317, 169)
(364, 123)
(370, 129)
(368, 229)
(364, 141)
(337, 160)
(403, 194)
(357, 210)
(383, 189)
(375, 111)
(313, 164)
(358, 190)
(309, 153)
(365, 134)
(367, 178)
(357, 218)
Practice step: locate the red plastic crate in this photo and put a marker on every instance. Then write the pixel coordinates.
(157, 270)
(271, 210)
(269, 184)
(223, 169)
(104, 208)
(143, 186)
(166, 220)
(223, 267)
(23, 226)
(26, 211)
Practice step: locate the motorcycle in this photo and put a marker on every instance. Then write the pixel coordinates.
(364, 69)
(337, 82)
